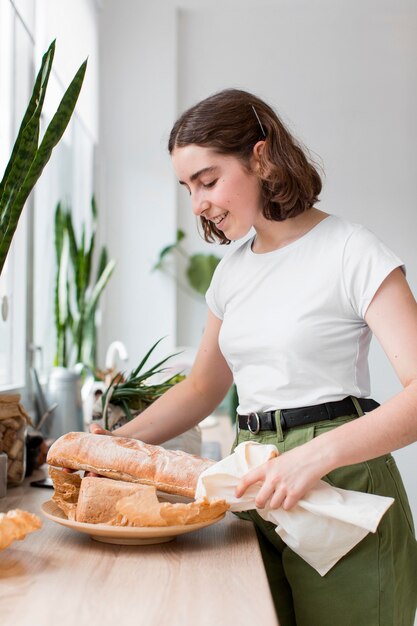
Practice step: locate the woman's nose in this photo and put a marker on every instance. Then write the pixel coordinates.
(200, 206)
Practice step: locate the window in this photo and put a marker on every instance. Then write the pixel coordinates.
(16, 75)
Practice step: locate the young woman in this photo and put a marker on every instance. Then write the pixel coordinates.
(291, 313)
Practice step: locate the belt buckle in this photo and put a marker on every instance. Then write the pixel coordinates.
(258, 423)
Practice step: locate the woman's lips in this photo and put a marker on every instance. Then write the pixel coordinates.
(220, 223)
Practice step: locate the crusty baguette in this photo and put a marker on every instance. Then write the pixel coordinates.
(172, 471)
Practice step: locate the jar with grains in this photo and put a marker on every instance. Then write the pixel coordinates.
(13, 428)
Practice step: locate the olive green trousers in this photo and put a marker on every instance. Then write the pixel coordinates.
(375, 584)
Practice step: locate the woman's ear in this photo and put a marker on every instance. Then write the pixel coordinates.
(257, 153)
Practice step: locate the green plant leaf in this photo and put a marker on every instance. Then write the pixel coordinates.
(98, 288)
(102, 262)
(72, 239)
(63, 281)
(200, 271)
(90, 250)
(59, 230)
(31, 117)
(61, 303)
(51, 137)
(168, 249)
(81, 278)
(135, 372)
(94, 209)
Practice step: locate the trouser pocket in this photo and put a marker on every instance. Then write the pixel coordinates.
(399, 489)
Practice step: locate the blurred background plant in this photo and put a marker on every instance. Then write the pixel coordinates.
(77, 294)
(199, 267)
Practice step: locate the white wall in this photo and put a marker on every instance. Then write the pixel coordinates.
(138, 106)
(74, 25)
(342, 74)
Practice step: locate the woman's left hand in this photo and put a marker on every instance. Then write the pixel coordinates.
(286, 478)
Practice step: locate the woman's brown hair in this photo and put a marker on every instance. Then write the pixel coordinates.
(232, 122)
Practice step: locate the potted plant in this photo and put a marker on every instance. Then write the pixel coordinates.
(76, 297)
(25, 166)
(125, 397)
(77, 292)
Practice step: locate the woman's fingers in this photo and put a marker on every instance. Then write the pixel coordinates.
(286, 478)
(278, 499)
(253, 476)
(265, 492)
(96, 429)
(274, 491)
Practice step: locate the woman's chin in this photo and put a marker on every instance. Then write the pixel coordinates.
(235, 233)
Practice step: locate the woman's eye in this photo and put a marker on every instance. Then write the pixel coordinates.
(208, 185)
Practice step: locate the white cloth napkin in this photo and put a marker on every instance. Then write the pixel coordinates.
(321, 528)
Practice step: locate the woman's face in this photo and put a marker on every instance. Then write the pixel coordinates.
(222, 190)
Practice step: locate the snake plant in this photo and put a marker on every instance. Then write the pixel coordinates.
(76, 294)
(28, 157)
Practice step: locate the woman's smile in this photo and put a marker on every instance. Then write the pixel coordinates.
(219, 219)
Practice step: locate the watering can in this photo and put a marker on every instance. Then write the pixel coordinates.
(67, 390)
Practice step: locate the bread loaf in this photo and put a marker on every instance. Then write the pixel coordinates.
(98, 498)
(172, 471)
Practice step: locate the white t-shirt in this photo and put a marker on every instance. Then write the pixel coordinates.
(293, 330)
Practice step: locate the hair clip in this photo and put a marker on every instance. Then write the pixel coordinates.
(259, 121)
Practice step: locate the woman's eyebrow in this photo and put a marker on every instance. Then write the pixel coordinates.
(204, 170)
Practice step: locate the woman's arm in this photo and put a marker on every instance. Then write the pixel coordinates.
(189, 401)
(392, 317)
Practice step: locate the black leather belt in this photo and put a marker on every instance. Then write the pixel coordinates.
(255, 422)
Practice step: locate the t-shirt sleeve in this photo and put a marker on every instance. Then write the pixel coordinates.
(367, 261)
(213, 298)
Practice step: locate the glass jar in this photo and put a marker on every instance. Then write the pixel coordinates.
(13, 429)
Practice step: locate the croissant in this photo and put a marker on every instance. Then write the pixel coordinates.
(16, 524)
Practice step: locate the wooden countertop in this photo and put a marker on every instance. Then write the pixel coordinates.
(57, 576)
